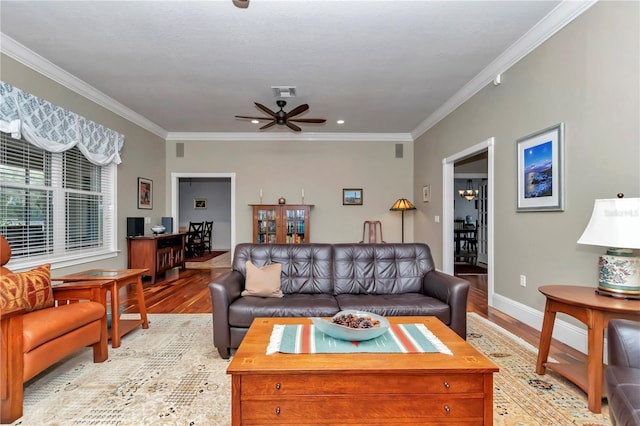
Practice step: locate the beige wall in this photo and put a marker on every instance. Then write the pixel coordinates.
(585, 76)
(143, 153)
(283, 168)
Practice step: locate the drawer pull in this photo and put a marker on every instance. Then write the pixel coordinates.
(277, 386)
(447, 409)
(277, 410)
(447, 385)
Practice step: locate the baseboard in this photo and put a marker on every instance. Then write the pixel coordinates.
(563, 331)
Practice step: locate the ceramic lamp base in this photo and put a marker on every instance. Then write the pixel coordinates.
(619, 274)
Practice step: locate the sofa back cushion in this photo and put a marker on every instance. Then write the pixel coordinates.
(306, 268)
(380, 268)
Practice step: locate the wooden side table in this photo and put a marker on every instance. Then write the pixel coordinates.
(594, 311)
(119, 278)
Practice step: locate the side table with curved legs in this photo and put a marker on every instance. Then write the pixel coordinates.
(594, 311)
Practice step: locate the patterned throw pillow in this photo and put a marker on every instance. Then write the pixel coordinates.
(30, 290)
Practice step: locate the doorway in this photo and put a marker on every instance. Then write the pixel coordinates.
(199, 203)
(449, 199)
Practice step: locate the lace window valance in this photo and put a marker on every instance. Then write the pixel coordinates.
(55, 129)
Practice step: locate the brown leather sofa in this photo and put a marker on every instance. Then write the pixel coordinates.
(622, 377)
(323, 279)
(32, 341)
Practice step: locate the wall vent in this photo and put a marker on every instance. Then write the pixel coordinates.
(284, 91)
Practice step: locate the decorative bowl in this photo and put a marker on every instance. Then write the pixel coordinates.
(343, 332)
(158, 229)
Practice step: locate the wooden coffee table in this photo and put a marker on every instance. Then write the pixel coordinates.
(363, 388)
(119, 278)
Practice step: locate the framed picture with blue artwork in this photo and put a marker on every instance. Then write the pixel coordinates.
(540, 170)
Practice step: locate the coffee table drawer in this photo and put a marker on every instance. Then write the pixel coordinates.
(315, 384)
(350, 409)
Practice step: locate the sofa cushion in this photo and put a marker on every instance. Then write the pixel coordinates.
(380, 268)
(44, 325)
(306, 268)
(30, 290)
(407, 304)
(264, 281)
(245, 309)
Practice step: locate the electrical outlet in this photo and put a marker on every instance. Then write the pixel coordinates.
(523, 280)
(147, 220)
(437, 219)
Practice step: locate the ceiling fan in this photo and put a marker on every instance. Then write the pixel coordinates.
(283, 118)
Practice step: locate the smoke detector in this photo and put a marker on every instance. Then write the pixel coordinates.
(284, 91)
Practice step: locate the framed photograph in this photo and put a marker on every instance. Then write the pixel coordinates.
(145, 193)
(426, 193)
(352, 196)
(200, 203)
(540, 170)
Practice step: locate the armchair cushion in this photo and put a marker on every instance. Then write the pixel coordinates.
(263, 282)
(30, 290)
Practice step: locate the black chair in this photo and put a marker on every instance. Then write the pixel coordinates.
(207, 236)
(195, 239)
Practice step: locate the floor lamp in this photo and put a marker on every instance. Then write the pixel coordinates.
(402, 204)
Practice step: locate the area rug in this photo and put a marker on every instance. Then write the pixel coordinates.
(170, 374)
(222, 260)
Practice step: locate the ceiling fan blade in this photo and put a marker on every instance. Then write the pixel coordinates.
(309, 120)
(254, 118)
(293, 127)
(266, 126)
(297, 110)
(265, 109)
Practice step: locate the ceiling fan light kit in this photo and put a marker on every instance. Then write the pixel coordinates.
(283, 118)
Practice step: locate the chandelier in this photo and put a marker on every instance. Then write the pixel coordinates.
(469, 193)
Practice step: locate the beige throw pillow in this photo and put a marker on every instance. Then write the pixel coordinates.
(263, 282)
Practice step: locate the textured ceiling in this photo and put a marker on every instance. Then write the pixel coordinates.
(382, 66)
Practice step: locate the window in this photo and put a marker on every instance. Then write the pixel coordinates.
(55, 207)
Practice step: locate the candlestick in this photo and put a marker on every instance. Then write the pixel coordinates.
(302, 195)
(260, 195)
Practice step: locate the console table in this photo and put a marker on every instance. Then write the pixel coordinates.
(594, 311)
(157, 253)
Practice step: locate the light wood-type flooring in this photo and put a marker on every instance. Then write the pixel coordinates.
(187, 292)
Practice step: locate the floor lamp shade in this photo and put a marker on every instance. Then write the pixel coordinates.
(615, 223)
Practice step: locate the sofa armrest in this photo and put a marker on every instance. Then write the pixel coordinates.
(453, 291)
(224, 290)
(624, 343)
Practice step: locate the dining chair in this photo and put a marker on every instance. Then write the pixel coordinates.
(195, 243)
(370, 228)
(207, 236)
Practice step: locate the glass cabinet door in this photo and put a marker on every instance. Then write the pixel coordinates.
(296, 226)
(267, 226)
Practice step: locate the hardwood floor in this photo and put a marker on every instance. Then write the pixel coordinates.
(187, 291)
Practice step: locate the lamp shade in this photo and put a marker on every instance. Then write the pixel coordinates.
(402, 204)
(615, 222)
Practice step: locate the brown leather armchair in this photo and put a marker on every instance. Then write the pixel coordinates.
(32, 341)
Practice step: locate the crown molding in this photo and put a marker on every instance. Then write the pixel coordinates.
(555, 20)
(288, 136)
(29, 58)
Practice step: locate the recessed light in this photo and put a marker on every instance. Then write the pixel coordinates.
(255, 121)
(340, 121)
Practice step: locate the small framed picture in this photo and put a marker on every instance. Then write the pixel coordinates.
(145, 193)
(540, 170)
(200, 203)
(426, 193)
(352, 196)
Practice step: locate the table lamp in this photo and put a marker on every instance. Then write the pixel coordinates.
(402, 204)
(615, 223)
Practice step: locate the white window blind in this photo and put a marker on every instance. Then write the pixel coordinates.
(55, 207)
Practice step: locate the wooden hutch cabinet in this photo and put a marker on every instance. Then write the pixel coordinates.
(157, 253)
(281, 223)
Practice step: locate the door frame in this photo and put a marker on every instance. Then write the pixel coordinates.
(448, 210)
(175, 197)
